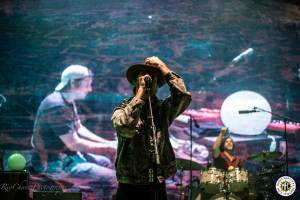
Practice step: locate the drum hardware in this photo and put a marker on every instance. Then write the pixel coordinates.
(237, 180)
(265, 156)
(277, 166)
(232, 185)
(265, 179)
(269, 172)
(179, 184)
(285, 119)
(226, 190)
(265, 185)
(267, 169)
(222, 184)
(222, 196)
(181, 189)
(212, 180)
(184, 164)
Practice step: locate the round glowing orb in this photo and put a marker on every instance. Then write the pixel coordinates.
(245, 123)
(16, 161)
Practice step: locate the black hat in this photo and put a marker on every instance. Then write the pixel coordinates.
(134, 70)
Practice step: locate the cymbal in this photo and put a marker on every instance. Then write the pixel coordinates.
(184, 164)
(278, 165)
(264, 156)
(270, 172)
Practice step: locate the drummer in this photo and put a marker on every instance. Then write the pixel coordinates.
(224, 160)
(223, 152)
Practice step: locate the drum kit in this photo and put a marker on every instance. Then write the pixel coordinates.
(236, 184)
(224, 184)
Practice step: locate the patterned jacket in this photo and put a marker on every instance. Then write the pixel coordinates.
(135, 152)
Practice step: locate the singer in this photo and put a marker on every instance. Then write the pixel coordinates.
(145, 157)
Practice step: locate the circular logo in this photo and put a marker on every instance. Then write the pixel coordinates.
(285, 186)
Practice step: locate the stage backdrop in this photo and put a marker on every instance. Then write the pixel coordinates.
(218, 47)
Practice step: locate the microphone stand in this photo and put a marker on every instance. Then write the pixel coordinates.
(154, 143)
(191, 152)
(284, 118)
(157, 159)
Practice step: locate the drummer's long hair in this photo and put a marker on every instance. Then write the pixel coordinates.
(222, 148)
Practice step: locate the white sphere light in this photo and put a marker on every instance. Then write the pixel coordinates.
(245, 124)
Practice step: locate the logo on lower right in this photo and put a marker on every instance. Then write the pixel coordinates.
(285, 186)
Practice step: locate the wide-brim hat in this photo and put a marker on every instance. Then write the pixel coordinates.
(134, 70)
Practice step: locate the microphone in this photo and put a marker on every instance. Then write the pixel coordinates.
(242, 55)
(148, 81)
(148, 78)
(247, 111)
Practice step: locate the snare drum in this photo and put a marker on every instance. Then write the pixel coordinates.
(212, 180)
(238, 180)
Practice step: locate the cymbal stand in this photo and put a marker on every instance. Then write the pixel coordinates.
(284, 118)
(267, 184)
(180, 185)
(226, 188)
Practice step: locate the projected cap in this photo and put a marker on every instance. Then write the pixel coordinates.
(71, 73)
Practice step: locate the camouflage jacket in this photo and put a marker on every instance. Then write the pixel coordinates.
(135, 152)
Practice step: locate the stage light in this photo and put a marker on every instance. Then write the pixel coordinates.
(238, 113)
